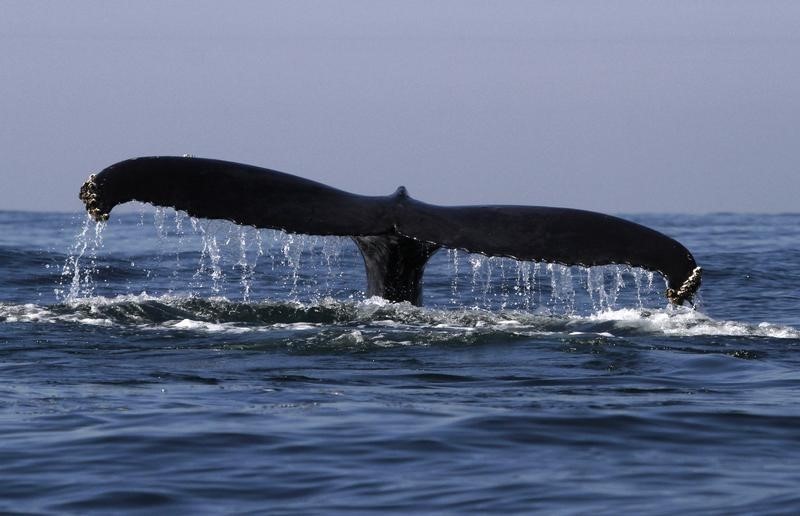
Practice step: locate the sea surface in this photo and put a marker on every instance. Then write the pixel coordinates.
(160, 364)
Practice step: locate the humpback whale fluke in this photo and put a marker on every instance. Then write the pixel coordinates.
(395, 234)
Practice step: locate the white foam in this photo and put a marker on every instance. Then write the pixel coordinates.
(778, 332)
(668, 321)
(91, 321)
(686, 322)
(192, 325)
(95, 301)
(598, 334)
(26, 313)
(353, 337)
(376, 301)
(295, 326)
(30, 313)
(387, 322)
(508, 322)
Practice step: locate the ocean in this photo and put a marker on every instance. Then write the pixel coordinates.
(161, 364)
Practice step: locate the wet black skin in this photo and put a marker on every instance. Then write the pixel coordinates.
(396, 234)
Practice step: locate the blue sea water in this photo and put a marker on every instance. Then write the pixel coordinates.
(162, 364)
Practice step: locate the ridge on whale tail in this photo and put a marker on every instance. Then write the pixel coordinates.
(395, 234)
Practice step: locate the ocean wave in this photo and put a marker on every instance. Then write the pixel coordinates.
(221, 316)
(684, 322)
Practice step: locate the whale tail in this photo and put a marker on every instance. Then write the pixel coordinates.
(395, 234)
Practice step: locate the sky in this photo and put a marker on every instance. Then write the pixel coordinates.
(619, 106)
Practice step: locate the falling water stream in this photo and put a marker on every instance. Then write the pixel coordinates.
(226, 259)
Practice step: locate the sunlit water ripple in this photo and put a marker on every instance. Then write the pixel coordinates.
(159, 363)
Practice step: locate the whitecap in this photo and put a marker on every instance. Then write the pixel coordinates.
(687, 322)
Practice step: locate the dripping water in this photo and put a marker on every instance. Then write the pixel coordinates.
(80, 266)
(223, 259)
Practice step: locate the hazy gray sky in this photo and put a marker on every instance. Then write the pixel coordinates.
(618, 106)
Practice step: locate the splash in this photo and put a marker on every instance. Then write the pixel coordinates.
(77, 274)
(376, 319)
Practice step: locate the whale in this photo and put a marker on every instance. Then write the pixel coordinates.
(396, 234)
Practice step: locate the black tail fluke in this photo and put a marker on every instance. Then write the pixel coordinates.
(396, 234)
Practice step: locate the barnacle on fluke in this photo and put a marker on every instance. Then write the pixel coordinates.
(687, 289)
(89, 194)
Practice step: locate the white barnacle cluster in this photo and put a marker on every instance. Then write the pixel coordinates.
(687, 289)
(89, 195)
